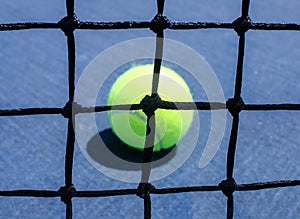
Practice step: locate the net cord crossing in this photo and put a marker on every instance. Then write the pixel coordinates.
(234, 105)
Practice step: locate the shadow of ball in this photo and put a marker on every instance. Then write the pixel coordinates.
(97, 150)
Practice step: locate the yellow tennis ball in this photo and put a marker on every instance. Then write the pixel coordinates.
(130, 126)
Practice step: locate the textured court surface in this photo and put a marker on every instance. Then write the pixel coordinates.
(34, 73)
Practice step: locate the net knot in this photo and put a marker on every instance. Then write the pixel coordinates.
(69, 24)
(150, 104)
(235, 106)
(228, 186)
(70, 108)
(67, 193)
(242, 25)
(144, 189)
(159, 23)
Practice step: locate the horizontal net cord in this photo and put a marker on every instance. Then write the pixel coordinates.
(267, 185)
(30, 193)
(178, 25)
(30, 111)
(166, 105)
(105, 193)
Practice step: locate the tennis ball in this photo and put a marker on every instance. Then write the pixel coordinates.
(130, 126)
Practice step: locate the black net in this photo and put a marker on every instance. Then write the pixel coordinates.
(149, 104)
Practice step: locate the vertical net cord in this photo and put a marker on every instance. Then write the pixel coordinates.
(245, 8)
(147, 207)
(230, 206)
(70, 7)
(239, 71)
(230, 162)
(235, 122)
(150, 132)
(150, 137)
(71, 119)
(148, 149)
(160, 6)
(69, 210)
(157, 61)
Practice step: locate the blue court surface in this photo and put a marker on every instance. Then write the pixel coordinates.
(34, 73)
